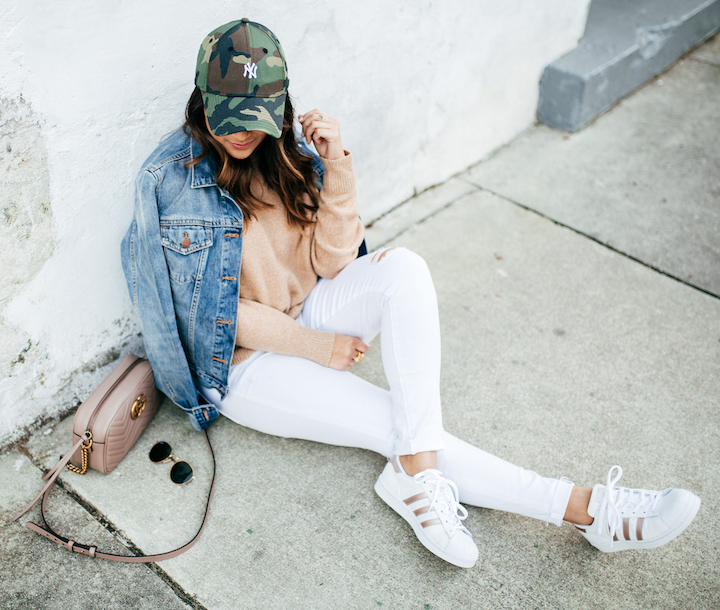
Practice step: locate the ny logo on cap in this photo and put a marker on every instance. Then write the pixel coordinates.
(250, 70)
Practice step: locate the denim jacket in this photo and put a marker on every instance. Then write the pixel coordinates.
(181, 258)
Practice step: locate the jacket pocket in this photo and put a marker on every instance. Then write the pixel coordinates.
(186, 249)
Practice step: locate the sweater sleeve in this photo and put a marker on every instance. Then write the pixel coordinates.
(270, 330)
(338, 230)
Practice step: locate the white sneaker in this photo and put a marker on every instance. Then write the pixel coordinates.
(429, 503)
(636, 518)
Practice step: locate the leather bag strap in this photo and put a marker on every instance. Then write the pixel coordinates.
(51, 475)
(91, 550)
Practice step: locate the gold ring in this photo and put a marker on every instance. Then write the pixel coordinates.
(359, 356)
(322, 117)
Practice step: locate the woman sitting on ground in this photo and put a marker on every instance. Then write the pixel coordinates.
(242, 260)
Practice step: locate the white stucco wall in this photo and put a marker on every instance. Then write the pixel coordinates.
(422, 88)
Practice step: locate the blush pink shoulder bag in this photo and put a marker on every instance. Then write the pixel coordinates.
(105, 427)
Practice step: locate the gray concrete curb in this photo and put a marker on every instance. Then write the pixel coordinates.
(625, 44)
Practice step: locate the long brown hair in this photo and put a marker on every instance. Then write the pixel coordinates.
(284, 168)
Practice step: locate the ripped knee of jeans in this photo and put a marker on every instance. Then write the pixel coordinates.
(380, 254)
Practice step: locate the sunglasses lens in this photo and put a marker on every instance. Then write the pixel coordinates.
(161, 451)
(181, 473)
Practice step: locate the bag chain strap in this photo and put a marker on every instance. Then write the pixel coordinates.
(85, 455)
(86, 448)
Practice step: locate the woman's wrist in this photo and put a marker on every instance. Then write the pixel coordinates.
(344, 154)
(334, 153)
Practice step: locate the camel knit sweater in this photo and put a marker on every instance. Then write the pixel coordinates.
(281, 264)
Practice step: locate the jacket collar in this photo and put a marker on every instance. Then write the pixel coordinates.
(202, 173)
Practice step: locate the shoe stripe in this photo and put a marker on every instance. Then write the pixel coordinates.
(430, 522)
(638, 528)
(415, 498)
(396, 463)
(421, 511)
(626, 528)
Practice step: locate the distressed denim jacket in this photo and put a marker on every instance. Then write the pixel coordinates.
(181, 257)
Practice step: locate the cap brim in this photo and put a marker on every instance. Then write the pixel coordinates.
(229, 114)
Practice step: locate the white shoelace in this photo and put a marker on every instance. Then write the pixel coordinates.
(627, 503)
(444, 499)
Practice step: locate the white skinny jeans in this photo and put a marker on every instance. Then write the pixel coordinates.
(294, 397)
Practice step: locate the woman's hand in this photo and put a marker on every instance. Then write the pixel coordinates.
(345, 352)
(324, 132)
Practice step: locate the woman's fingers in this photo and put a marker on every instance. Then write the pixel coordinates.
(324, 132)
(360, 348)
(315, 114)
(311, 117)
(347, 351)
(314, 125)
(361, 345)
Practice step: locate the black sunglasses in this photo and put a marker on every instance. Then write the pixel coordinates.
(181, 472)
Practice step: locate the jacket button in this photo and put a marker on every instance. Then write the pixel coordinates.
(185, 243)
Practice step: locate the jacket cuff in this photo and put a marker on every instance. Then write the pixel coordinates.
(201, 417)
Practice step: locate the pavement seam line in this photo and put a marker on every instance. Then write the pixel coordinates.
(135, 550)
(404, 202)
(601, 243)
(708, 62)
(430, 215)
(110, 527)
(459, 175)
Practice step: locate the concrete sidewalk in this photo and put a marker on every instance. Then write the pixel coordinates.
(579, 288)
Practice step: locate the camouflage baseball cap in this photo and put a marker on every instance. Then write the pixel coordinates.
(242, 73)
